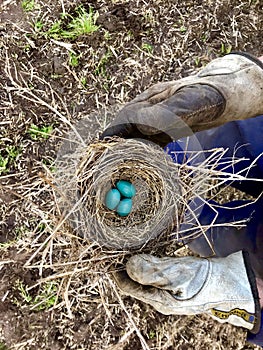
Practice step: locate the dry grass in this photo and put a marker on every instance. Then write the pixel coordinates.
(138, 43)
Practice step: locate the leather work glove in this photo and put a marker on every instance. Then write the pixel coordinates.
(228, 88)
(224, 288)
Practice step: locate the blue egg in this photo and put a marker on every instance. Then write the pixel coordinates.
(125, 206)
(112, 198)
(126, 188)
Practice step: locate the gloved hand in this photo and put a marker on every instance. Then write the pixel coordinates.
(224, 288)
(227, 89)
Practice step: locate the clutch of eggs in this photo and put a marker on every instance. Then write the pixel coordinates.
(120, 198)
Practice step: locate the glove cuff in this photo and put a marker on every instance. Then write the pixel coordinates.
(244, 308)
(239, 78)
(249, 56)
(254, 290)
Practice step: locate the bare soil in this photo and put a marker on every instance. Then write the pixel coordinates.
(137, 44)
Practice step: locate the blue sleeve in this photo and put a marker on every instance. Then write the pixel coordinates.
(257, 339)
(241, 139)
(225, 239)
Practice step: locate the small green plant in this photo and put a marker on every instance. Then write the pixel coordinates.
(101, 67)
(83, 81)
(13, 152)
(225, 49)
(152, 334)
(47, 297)
(27, 48)
(107, 35)
(73, 59)
(23, 293)
(28, 5)
(147, 47)
(183, 29)
(197, 61)
(130, 35)
(83, 23)
(38, 132)
(38, 25)
(7, 157)
(3, 164)
(6, 245)
(3, 346)
(204, 38)
(44, 300)
(50, 164)
(55, 31)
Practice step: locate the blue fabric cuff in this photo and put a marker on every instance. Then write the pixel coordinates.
(257, 339)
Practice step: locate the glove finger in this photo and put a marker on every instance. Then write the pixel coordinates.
(130, 131)
(157, 123)
(124, 130)
(157, 93)
(160, 299)
(183, 276)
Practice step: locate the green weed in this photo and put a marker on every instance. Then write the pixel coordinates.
(101, 67)
(197, 61)
(204, 38)
(55, 31)
(47, 297)
(183, 29)
(83, 23)
(50, 164)
(3, 164)
(27, 48)
(3, 346)
(83, 81)
(25, 296)
(44, 300)
(152, 334)
(130, 35)
(225, 49)
(107, 35)
(38, 26)
(73, 59)
(38, 132)
(28, 5)
(8, 157)
(147, 47)
(13, 152)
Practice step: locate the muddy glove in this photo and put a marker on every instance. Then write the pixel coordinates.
(228, 88)
(224, 288)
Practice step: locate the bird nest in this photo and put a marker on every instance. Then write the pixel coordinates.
(156, 204)
(169, 200)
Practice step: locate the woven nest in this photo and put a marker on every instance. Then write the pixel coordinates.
(156, 205)
(170, 196)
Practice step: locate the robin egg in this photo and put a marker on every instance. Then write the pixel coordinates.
(125, 206)
(126, 188)
(112, 198)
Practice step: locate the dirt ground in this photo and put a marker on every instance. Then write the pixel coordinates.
(51, 77)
